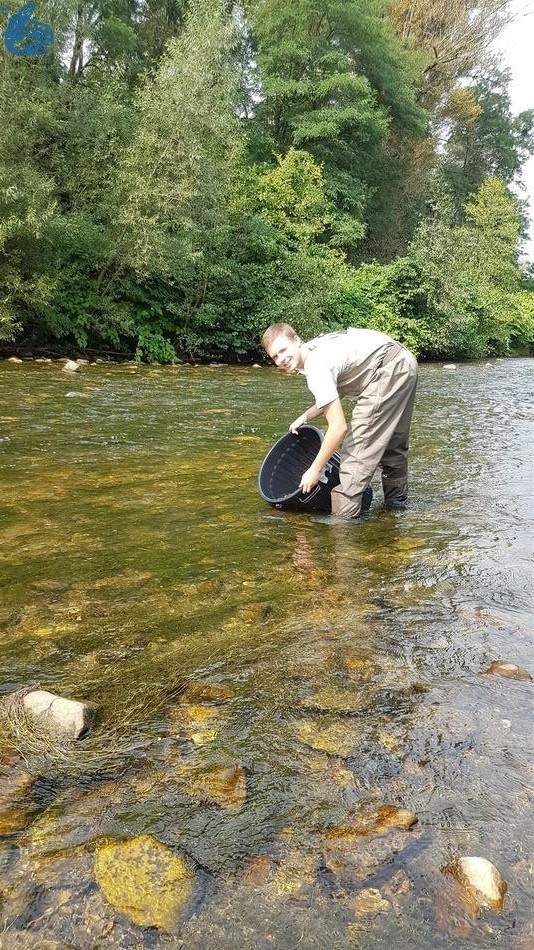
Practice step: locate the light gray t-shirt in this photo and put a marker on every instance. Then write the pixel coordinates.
(341, 364)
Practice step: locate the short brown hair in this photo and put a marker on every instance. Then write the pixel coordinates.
(278, 329)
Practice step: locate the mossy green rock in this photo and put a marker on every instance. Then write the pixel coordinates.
(336, 738)
(336, 700)
(226, 787)
(144, 880)
(206, 692)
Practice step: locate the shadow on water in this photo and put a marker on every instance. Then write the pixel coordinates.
(262, 676)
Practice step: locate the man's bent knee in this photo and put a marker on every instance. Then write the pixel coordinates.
(345, 507)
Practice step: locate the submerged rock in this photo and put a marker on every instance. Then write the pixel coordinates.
(455, 912)
(10, 757)
(225, 787)
(206, 692)
(481, 880)
(392, 742)
(359, 667)
(352, 860)
(374, 823)
(145, 880)
(335, 699)
(397, 886)
(337, 738)
(509, 670)
(367, 841)
(196, 722)
(368, 901)
(258, 870)
(14, 787)
(14, 819)
(294, 872)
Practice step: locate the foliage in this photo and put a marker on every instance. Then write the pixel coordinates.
(176, 174)
(470, 276)
(485, 139)
(332, 80)
(173, 177)
(453, 38)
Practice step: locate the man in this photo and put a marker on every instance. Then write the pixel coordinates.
(381, 375)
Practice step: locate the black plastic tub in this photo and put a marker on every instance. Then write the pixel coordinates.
(284, 466)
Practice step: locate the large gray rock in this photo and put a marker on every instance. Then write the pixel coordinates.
(64, 717)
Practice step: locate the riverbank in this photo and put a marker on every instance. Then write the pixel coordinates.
(11, 354)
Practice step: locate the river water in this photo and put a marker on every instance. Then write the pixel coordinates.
(262, 677)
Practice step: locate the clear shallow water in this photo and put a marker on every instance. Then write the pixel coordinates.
(137, 557)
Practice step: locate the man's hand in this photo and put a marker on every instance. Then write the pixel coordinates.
(301, 421)
(310, 479)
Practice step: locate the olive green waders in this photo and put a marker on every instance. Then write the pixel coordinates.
(378, 434)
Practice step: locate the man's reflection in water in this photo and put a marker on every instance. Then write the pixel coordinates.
(355, 569)
(331, 563)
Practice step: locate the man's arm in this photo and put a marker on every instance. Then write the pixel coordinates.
(337, 427)
(306, 417)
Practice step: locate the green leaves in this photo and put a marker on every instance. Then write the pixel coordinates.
(175, 175)
(333, 79)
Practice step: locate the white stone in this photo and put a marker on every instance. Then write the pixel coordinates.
(71, 366)
(56, 714)
(449, 366)
(14, 359)
(484, 879)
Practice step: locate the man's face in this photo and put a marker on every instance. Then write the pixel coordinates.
(285, 352)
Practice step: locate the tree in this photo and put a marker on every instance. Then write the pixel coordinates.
(488, 140)
(469, 273)
(332, 80)
(453, 38)
(27, 194)
(175, 176)
(493, 222)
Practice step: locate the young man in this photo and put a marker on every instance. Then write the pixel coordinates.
(381, 375)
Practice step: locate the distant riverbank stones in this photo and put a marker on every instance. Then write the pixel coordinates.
(71, 366)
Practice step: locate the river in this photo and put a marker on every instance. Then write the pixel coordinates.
(262, 677)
